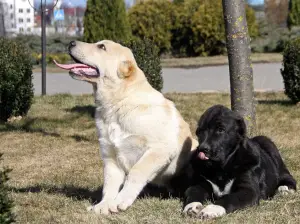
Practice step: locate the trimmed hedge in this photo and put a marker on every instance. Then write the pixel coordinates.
(291, 70)
(16, 88)
(147, 58)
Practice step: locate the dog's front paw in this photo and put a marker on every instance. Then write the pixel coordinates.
(285, 190)
(121, 204)
(192, 209)
(212, 211)
(101, 208)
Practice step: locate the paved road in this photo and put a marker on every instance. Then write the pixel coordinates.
(267, 77)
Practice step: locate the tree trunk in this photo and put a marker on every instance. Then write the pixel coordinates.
(240, 66)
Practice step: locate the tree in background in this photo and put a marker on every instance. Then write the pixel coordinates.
(106, 19)
(198, 28)
(6, 216)
(294, 14)
(239, 51)
(152, 20)
(276, 11)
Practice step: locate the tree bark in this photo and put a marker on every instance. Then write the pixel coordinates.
(240, 65)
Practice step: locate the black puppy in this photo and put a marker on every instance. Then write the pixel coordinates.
(230, 169)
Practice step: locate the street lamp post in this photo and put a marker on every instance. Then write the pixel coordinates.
(43, 39)
(43, 35)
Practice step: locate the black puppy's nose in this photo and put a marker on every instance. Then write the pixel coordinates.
(204, 147)
(72, 44)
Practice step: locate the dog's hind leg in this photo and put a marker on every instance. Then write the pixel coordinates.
(287, 184)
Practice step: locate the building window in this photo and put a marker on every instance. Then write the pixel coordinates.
(20, 10)
(11, 6)
(11, 15)
(20, 20)
(12, 25)
(28, 29)
(28, 10)
(21, 29)
(28, 20)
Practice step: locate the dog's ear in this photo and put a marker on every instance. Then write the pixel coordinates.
(126, 69)
(242, 129)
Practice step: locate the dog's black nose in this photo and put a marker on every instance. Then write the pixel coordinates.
(72, 44)
(204, 147)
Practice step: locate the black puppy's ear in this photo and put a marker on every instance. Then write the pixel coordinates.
(242, 129)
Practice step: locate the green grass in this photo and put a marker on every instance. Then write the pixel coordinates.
(54, 154)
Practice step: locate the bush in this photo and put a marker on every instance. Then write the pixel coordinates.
(54, 44)
(106, 19)
(59, 57)
(251, 22)
(6, 216)
(147, 58)
(294, 13)
(199, 28)
(208, 28)
(291, 70)
(152, 20)
(273, 39)
(16, 89)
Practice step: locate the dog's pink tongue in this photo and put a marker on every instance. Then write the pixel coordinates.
(202, 156)
(71, 66)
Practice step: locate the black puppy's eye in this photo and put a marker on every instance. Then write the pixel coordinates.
(101, 46)
(220, 130)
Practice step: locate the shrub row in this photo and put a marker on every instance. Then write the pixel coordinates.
(59, 57)
(187, 28)
(273, 39)
(54, 43)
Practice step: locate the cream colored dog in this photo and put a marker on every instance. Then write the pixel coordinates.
(142, 136)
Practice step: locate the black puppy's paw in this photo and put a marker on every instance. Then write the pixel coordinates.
(285, 190)
(212, 211)
(193, 209)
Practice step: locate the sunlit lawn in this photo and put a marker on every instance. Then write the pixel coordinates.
(56, 164)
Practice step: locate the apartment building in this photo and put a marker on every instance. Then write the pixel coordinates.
(18, 16)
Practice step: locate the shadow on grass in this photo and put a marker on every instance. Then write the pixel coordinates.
(79, 138)
(93, 196)
(70, 191)
(83, 110)
(26, 126)
(278, 102)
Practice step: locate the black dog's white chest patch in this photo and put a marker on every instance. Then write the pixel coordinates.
(217, 191)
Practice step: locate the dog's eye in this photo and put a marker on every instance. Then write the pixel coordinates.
(220, 130)
(101, 46)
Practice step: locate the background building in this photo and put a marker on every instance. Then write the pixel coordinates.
(18, 17)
